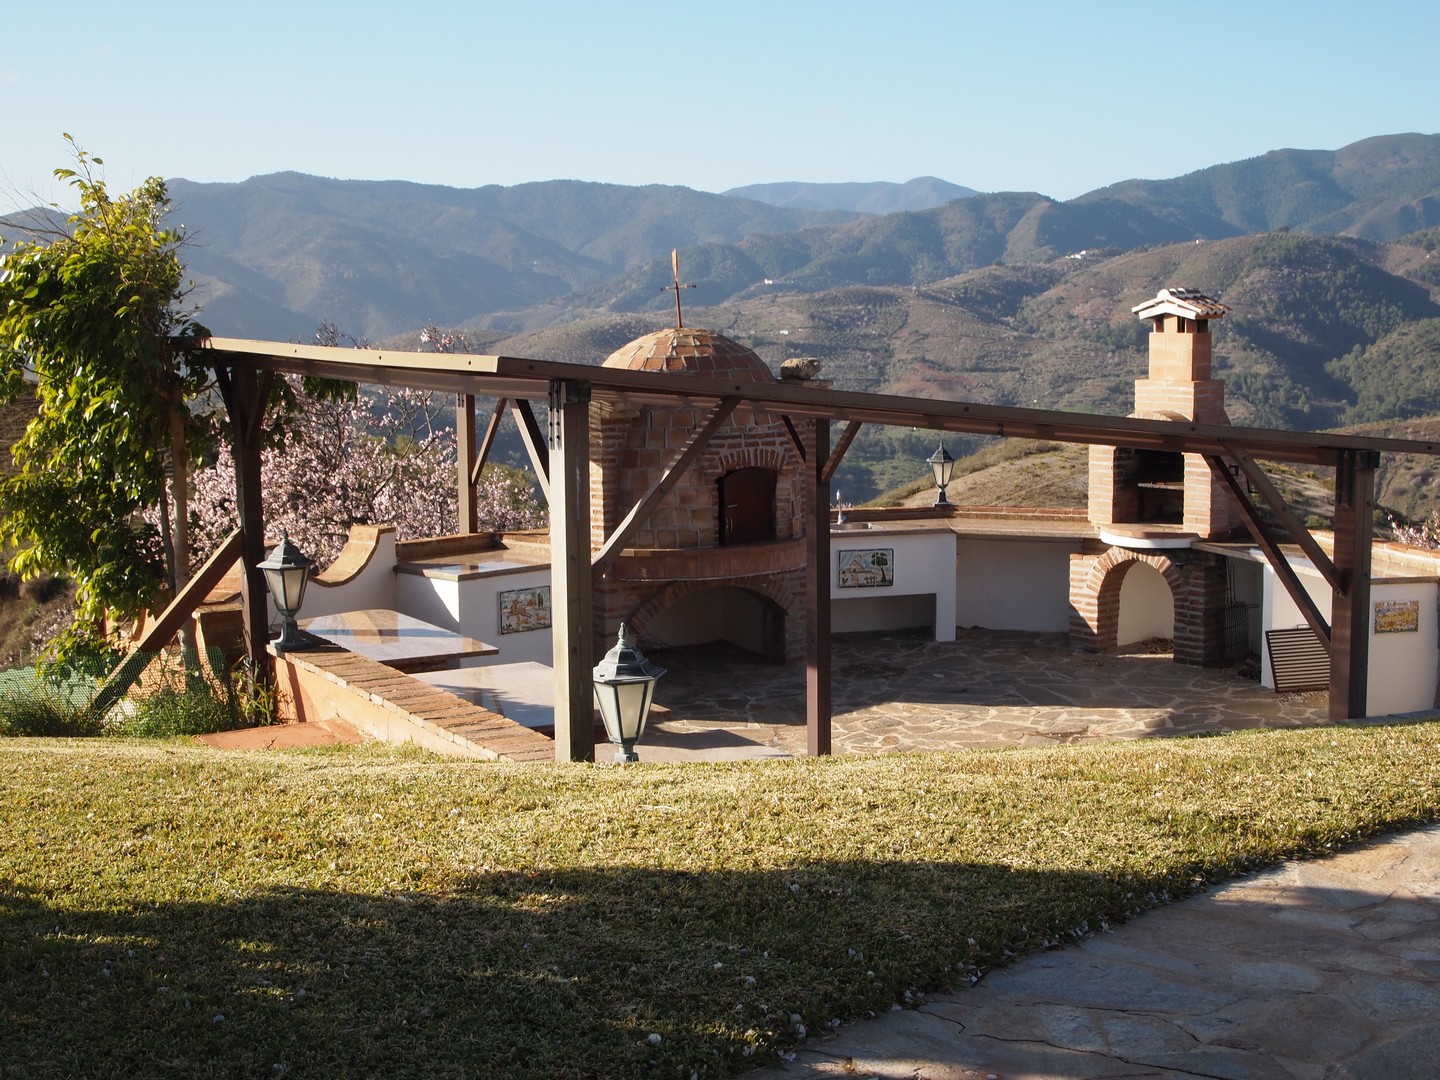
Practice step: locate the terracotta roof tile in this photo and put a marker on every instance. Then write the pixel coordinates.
(697, 352)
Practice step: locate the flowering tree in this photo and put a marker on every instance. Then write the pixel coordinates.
(1425, 534)
(383, 458)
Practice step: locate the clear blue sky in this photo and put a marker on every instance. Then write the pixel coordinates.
(1053, 97)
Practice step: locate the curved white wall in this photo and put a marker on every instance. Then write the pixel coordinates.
(1147, 609)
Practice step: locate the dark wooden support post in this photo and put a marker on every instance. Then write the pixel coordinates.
(245, 392)
(1350, 610)
(467, 517)
(817, 590)
(570, 575)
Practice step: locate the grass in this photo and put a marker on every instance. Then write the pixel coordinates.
(366, 912)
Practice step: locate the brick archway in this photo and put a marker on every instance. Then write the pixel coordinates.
(1197, 586)
(784, 633)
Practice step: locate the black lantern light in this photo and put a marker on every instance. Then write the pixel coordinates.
(286, 572)
(624, 689)
(942, 465)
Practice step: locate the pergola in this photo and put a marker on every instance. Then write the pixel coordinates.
(248, 368)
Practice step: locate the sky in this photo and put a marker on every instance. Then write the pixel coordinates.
(1048, 96)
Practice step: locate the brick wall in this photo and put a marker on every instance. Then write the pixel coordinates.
(1197, 583)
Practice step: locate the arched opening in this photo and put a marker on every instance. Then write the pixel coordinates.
(745, 619)
(747, 506)
(1147, 606)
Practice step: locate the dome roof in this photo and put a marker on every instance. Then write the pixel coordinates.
(695, 352)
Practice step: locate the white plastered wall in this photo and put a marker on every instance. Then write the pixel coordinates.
(924, 568)
(1402, 665)
(1013, 584)
(470, 605)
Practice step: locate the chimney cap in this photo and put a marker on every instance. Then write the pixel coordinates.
(1186, 303)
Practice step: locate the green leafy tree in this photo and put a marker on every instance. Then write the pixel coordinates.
(91, 315)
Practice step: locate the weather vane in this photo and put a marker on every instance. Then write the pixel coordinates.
(675, 266)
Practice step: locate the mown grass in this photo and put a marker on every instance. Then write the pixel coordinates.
(167, 910)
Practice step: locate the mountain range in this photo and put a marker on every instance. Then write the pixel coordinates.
(1327, 259)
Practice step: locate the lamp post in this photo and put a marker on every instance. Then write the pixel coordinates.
(942, 465)
(286, 572)
(624, 688)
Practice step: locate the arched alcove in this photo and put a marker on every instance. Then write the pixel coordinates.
(1147, 606)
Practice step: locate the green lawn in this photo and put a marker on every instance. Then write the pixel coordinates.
(171, 910)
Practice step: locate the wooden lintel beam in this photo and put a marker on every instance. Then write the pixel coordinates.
(535, 443)
(641, 510)
(1292, 524)
(1271, 550)
(838, 454)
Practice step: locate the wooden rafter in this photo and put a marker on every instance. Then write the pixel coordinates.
(838, 454)
(1271, 550)
(662, 487)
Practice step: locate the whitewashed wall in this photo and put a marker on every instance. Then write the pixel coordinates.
(1402, 665)
(923, 592)
(372, 587)
(470, 604)
(1018, 584)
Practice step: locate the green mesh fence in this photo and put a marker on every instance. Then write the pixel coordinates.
(177, 692)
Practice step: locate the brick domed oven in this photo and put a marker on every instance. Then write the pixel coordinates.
(722, 557)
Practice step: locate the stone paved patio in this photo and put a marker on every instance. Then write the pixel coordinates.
(902, 691)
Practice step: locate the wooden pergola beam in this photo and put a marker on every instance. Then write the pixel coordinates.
(518, 377)
(1284, 572)
(838, 454)
(662, 487)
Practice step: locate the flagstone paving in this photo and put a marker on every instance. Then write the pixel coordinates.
(903, 691)
(1320, 970)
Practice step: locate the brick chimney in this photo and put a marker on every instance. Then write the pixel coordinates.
(1158, 488)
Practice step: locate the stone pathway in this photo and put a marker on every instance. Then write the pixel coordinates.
(903, 691)
(1321, 970)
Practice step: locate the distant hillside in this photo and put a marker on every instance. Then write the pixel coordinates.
(880, 197)
(276, 254)
(1378, 189)
(1061, 335)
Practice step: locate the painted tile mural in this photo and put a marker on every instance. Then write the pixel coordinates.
(867, 568)
(525, 609)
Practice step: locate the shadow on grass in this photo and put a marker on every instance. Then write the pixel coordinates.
(553, 974)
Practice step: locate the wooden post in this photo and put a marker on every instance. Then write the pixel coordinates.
(1350, 608)
(570, 576)
(817, 591)
(467, 519)
(245, 392)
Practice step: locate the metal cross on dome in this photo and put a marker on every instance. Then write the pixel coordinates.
(675, 266)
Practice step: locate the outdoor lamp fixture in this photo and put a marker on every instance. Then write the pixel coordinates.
(624, 689)
(942, 465)
(286, 572)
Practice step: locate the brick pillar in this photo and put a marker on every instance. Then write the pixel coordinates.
(1199, 588)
